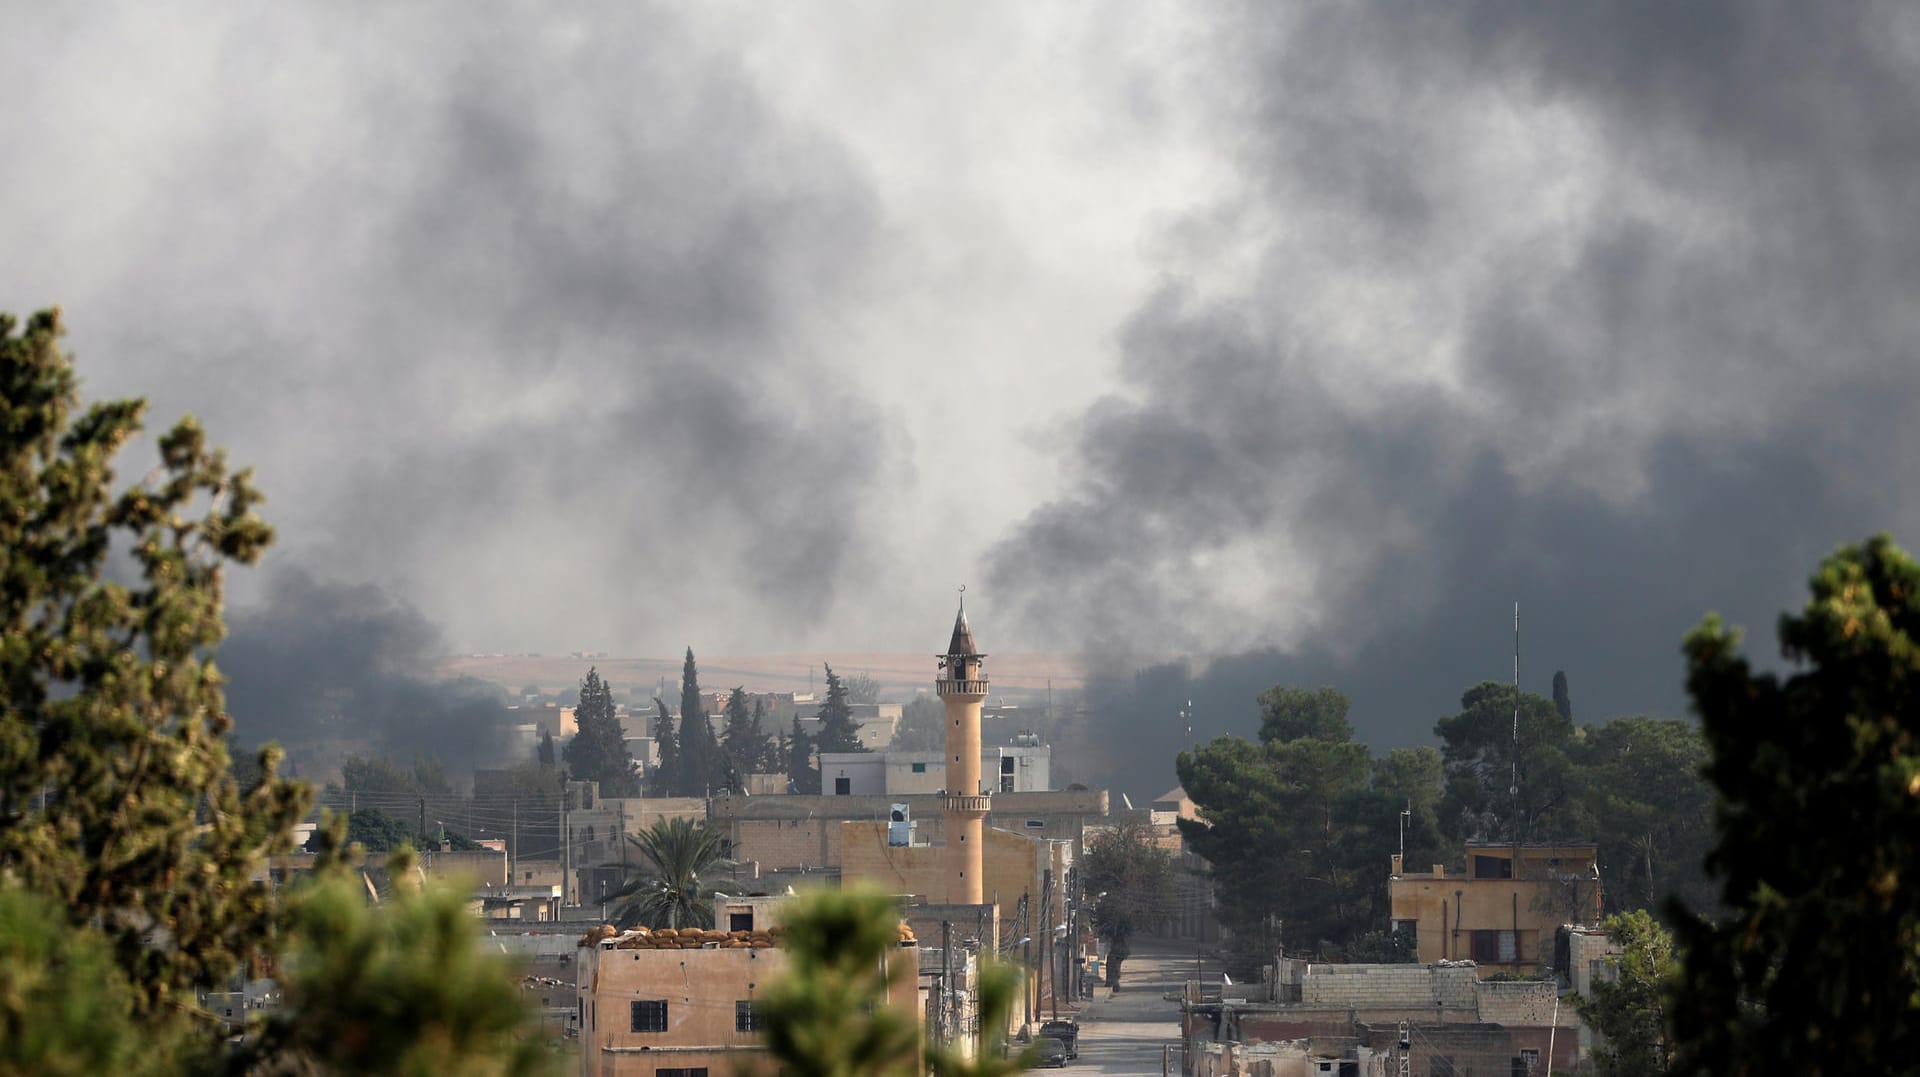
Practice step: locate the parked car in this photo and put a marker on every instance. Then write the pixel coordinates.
(1067, 1032)
(1048, 1051)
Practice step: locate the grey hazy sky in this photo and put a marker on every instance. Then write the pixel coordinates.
(1177, 329)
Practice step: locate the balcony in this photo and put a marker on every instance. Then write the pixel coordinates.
(961, 688)
(977, 805)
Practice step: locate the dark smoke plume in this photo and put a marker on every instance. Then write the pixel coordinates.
(1602, 310)
(327, 670)
(525, 318)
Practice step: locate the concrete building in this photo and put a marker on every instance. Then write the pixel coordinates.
(1503, 910)
(1442, 1018)
(796, 832)
(1004, 768)
(1012, 866)
(599, 853)
(683, 1004)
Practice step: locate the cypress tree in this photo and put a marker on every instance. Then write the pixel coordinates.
(801, 776)
(769, 758)
(837, 731)
(666, 778)
(703, 765)
(743, 750)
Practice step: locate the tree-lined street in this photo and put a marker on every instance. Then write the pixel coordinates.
(1126, 1032)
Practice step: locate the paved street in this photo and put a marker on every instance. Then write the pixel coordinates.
(1124, 1033)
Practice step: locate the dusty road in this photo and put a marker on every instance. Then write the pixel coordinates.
(1126, 1033)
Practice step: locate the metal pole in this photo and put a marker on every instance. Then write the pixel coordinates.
(566, 852)
(1551, 1029)
(1026, 958)
(941, 1034)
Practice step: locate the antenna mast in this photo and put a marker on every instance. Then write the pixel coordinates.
(1513, 758)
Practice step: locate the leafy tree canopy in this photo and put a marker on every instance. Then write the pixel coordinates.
(1815, 965)
(1497, 788)
(374, 774)
(402, 987)
(1129, 881)
(1630, 1011)
(116, 799)
(1294, 713)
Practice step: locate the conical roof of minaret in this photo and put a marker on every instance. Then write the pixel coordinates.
(962, 636)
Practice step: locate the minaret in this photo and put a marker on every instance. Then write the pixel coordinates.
(962, 685)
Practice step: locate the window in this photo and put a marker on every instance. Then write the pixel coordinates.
(1036, 824)
(746, 1017)
(1410, 930)
(1495, 947)
(682, 1071)
(1492, 867)
(842, 787)
(740, 921)
(1006, 764)
(1006, 783)
(1528, 1063)
(919, 768)
(649, 1015)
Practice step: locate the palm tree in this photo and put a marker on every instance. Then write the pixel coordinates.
(669, 892)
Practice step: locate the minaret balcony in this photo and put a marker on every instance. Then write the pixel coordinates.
(973, 805)
(961, 688)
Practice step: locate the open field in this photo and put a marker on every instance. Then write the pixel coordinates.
(900, 674)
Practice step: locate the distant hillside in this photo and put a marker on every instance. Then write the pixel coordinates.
(900, 675)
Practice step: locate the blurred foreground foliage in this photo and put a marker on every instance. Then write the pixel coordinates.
(132, 862)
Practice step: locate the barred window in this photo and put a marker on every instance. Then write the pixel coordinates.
(649, 1015)
(746, 1016)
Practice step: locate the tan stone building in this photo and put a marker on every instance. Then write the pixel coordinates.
(1502, 911)
(792, 832)
(691, 1010)
(1013, 865)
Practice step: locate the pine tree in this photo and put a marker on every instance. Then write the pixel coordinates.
(666, 778)
(546, 748)
(1814, 965)
(801, 775)
(598, 752)
(116, 798)
(1562, 700)
(837, 731)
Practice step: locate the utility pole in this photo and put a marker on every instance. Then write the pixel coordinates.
(941, 1032)
(566, 852)
(1026, 959)
(513, 845)
(1046, 943)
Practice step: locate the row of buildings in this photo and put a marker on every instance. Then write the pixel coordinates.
(1499, 945)
(982, 856)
